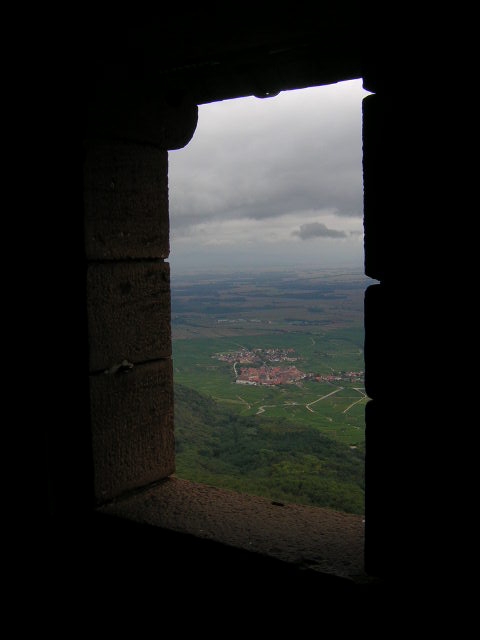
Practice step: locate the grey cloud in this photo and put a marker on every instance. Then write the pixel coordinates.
(298, 153)
(317, 230)
(270, 200)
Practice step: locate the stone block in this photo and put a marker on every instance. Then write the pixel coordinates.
(133, 111)
(399, 486)
(128, 313)
(125, 201)
(132, 428)
(381, 506)
(403, 188)
(404, 356)
(382, 182)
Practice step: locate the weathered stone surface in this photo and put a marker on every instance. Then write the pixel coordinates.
(132, 428)
(128, 313)
(126, 201)
(311, 537)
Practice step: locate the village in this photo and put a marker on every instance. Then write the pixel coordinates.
(247, 356)
(275, 375)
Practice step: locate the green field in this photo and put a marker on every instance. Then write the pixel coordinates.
(268, 457)
(301, 442)
(340, 415)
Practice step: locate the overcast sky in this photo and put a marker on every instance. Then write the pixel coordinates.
(272, 182)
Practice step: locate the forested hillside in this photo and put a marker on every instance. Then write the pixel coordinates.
(270, 457)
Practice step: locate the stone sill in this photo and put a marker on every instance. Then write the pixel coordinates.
(309, 538)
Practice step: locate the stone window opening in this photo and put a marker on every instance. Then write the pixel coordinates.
(134, 392)
(277, 136)
(133, 100)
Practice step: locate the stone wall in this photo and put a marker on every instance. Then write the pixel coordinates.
(407, 315)
(126, 224)
(109, 122)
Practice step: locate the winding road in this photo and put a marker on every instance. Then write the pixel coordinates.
(323, 398)
(362, 397)
(309, 405)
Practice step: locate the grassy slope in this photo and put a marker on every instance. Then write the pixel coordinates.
(272, 457)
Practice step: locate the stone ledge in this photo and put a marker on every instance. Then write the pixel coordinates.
(311, 538)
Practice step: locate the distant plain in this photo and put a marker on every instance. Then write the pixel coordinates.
(318, 314)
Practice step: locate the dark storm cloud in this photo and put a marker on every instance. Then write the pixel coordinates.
(317, 230)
